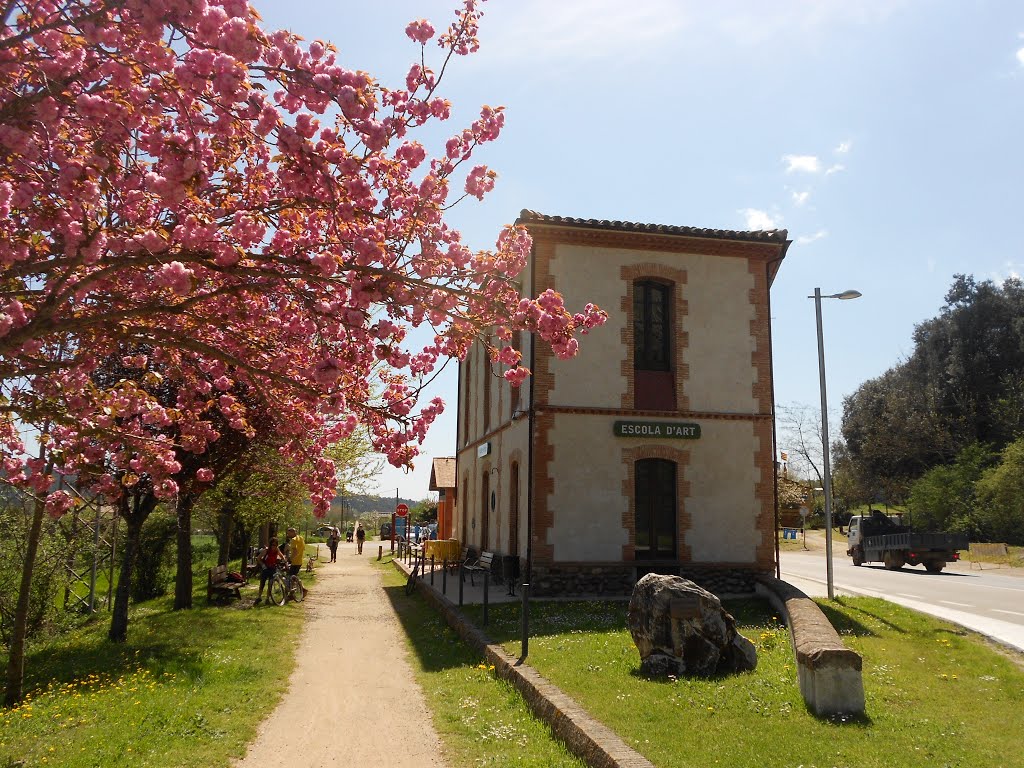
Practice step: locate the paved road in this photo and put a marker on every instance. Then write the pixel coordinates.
(989, 601)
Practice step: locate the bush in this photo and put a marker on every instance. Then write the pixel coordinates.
(48, 580)
(154, 568)
(1000, 492)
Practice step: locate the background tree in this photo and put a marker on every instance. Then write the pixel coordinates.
(961, 385)
(1000, 494)
(799, 434)
(944, 497)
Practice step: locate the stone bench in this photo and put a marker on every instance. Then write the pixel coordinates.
(828, 672)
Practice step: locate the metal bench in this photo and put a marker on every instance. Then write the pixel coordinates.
(219, 585)
(482, 564)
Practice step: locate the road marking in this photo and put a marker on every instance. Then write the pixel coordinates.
(961, 605)
(1014, 613)
(912, 597)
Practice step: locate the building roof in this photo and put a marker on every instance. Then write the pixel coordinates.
(778, 236)
(442, 473)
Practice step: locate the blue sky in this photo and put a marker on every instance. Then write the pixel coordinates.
(885, 136)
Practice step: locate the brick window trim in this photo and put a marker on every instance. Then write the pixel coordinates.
(681, 457)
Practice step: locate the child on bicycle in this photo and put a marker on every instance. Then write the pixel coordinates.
(268, 560)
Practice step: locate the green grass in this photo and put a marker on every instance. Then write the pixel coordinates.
(936, 695)
(481, 720)
(188, 688)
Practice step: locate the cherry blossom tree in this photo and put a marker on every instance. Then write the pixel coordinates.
(225, 206)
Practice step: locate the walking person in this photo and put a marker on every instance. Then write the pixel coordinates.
(332, 544)
(360, 537)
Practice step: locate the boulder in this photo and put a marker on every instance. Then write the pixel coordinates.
(681, 629)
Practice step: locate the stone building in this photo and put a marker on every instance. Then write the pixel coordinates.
(652, 450)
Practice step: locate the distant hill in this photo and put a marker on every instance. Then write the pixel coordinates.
(364, 504)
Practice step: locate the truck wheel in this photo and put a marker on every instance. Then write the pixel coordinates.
(858, 557)
(934, 566)
(893, 560)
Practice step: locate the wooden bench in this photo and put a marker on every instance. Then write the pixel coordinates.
(987, 550)
(218, 584)
(482, 564)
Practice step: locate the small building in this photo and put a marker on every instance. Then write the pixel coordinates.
(442, 480)
(652, 450)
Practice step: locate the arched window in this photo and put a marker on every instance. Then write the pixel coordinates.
(653, 345)
(654, 497)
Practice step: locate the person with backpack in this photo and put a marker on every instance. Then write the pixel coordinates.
(267, 559)
(360, 538)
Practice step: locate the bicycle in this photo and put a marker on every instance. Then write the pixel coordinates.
(283, 587)
(410, 585)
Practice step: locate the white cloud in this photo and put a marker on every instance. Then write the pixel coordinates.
(1020, 56)
(844, 147)
(758, 219)
(583, 29)
(802, 163)
(835, 169)
(808, 239)
(799, 198)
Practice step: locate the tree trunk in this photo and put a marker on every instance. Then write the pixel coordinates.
(16, 654)
(226, 518)
(119, 619)
(183, 580)
(134, 510)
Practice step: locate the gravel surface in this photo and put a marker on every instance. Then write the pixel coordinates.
(353, 688)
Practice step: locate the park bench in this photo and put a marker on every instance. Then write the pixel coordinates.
(481, 565)
(986, 550)
(218, 584)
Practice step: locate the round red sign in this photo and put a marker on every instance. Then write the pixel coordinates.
(402, 510)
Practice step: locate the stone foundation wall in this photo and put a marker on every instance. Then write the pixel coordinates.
(618, 579)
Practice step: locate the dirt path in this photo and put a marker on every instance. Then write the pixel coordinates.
(352, 682)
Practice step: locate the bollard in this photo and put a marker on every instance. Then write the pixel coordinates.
(431, 570)
(380, 552)
(526, 622)
(444, 577)
(462, 582)
(487, 581)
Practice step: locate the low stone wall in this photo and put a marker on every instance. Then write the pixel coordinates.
(829, 673)
(618, 579)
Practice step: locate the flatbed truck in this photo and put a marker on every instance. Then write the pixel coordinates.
(878, 538)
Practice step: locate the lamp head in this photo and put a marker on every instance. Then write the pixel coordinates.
(847, 295)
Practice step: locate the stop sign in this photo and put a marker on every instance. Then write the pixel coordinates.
(402, 510)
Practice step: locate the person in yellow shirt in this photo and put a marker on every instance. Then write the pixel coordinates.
(295, 547)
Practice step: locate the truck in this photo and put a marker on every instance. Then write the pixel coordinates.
(880, 538)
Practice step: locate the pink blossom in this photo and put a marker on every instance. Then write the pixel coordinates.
(480, 181)
(204, 475)
(176, 277)
(420, 31)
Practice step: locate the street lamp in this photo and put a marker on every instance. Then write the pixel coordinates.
(824, 430)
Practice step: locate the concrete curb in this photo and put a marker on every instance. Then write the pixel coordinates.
(592, 742)
(829, 673)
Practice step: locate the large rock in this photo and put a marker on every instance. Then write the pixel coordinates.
(700, 641)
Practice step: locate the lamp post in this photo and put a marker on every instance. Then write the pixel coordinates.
(824, 431)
